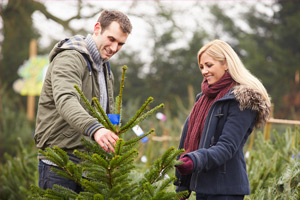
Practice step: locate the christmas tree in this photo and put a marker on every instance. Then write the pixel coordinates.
(113, 175)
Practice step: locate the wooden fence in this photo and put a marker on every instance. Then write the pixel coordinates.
(267, 131)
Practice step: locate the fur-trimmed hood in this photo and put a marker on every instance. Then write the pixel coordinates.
(250, 98)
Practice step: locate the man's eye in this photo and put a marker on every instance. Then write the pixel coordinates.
(111, 39)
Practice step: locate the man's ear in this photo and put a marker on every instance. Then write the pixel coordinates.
(97, 28)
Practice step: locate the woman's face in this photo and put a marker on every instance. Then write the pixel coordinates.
(211, 69)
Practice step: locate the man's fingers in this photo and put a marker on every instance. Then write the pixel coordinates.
(108, 145)
(113, 140)
(114, 136)
(106, 139)
(104, 146)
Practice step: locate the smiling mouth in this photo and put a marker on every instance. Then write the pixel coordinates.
(108, 52)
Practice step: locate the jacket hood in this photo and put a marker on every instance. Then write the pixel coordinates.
(76, 42)
(250, 98)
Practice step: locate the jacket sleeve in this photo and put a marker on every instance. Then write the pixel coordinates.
(237, 126)
(68, 70)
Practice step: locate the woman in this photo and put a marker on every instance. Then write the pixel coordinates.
(231, 104)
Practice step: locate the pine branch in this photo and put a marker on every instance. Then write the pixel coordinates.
(138, 114)
(121, 179)
(90, 107)
(114, 193)
(59, 192)
(158, 169)
(116, 105)
(51, 155)
(108, 123)
(88, 195)
(100, 161)
(169, 159)
(167, 154)
(136, 139)
(182, 194)
(62, 173)
(122, 170)
(37, 191)
(109, 175)
(94, 173)
(125, 158)
(120, 97)
(118, 146)
(140, 118)
(92, 186)
(98, 197)
(147, 114)
(94, 147)
(166, 183)
(62, 154)
(148, 187)
(61, 159)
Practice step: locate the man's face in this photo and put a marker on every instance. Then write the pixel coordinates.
(110, 41)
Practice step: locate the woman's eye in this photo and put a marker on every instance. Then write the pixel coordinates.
(201, 67)
(209, 65)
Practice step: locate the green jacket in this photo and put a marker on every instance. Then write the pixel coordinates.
(62, 118)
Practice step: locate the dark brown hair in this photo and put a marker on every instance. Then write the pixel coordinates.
(107, 17)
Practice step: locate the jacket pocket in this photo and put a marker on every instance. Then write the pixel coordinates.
(69, 134)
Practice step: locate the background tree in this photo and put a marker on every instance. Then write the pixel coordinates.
(270, 50)
(173, 67)
(265, 36)
(18, 31)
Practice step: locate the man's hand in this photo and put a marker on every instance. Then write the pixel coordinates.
(106, 139)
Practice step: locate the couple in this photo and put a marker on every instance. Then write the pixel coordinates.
(231, 104)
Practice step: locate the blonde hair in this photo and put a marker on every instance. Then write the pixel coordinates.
(222, 52)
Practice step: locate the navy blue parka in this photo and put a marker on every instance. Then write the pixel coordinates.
(219, 164)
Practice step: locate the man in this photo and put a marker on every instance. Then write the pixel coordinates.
(62, 119)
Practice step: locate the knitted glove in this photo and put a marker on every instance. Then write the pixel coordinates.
(186, 167)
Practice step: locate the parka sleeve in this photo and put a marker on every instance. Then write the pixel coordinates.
(68, 70)
(236, 127)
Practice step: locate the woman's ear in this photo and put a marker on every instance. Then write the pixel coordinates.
(226, 66)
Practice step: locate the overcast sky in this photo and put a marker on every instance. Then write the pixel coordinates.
(190, 12)
(189, 15)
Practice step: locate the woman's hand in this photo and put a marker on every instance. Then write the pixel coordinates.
(186, 167)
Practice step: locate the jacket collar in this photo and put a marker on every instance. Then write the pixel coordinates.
(248, 98)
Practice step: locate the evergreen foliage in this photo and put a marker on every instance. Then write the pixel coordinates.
(19, 172)
(14, 125)
(274, 166)
(112, 175)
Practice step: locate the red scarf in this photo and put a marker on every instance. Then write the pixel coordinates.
(211, 93)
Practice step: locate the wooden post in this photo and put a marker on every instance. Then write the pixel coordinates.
(251, 140)
(267, 129)
(31, 98)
